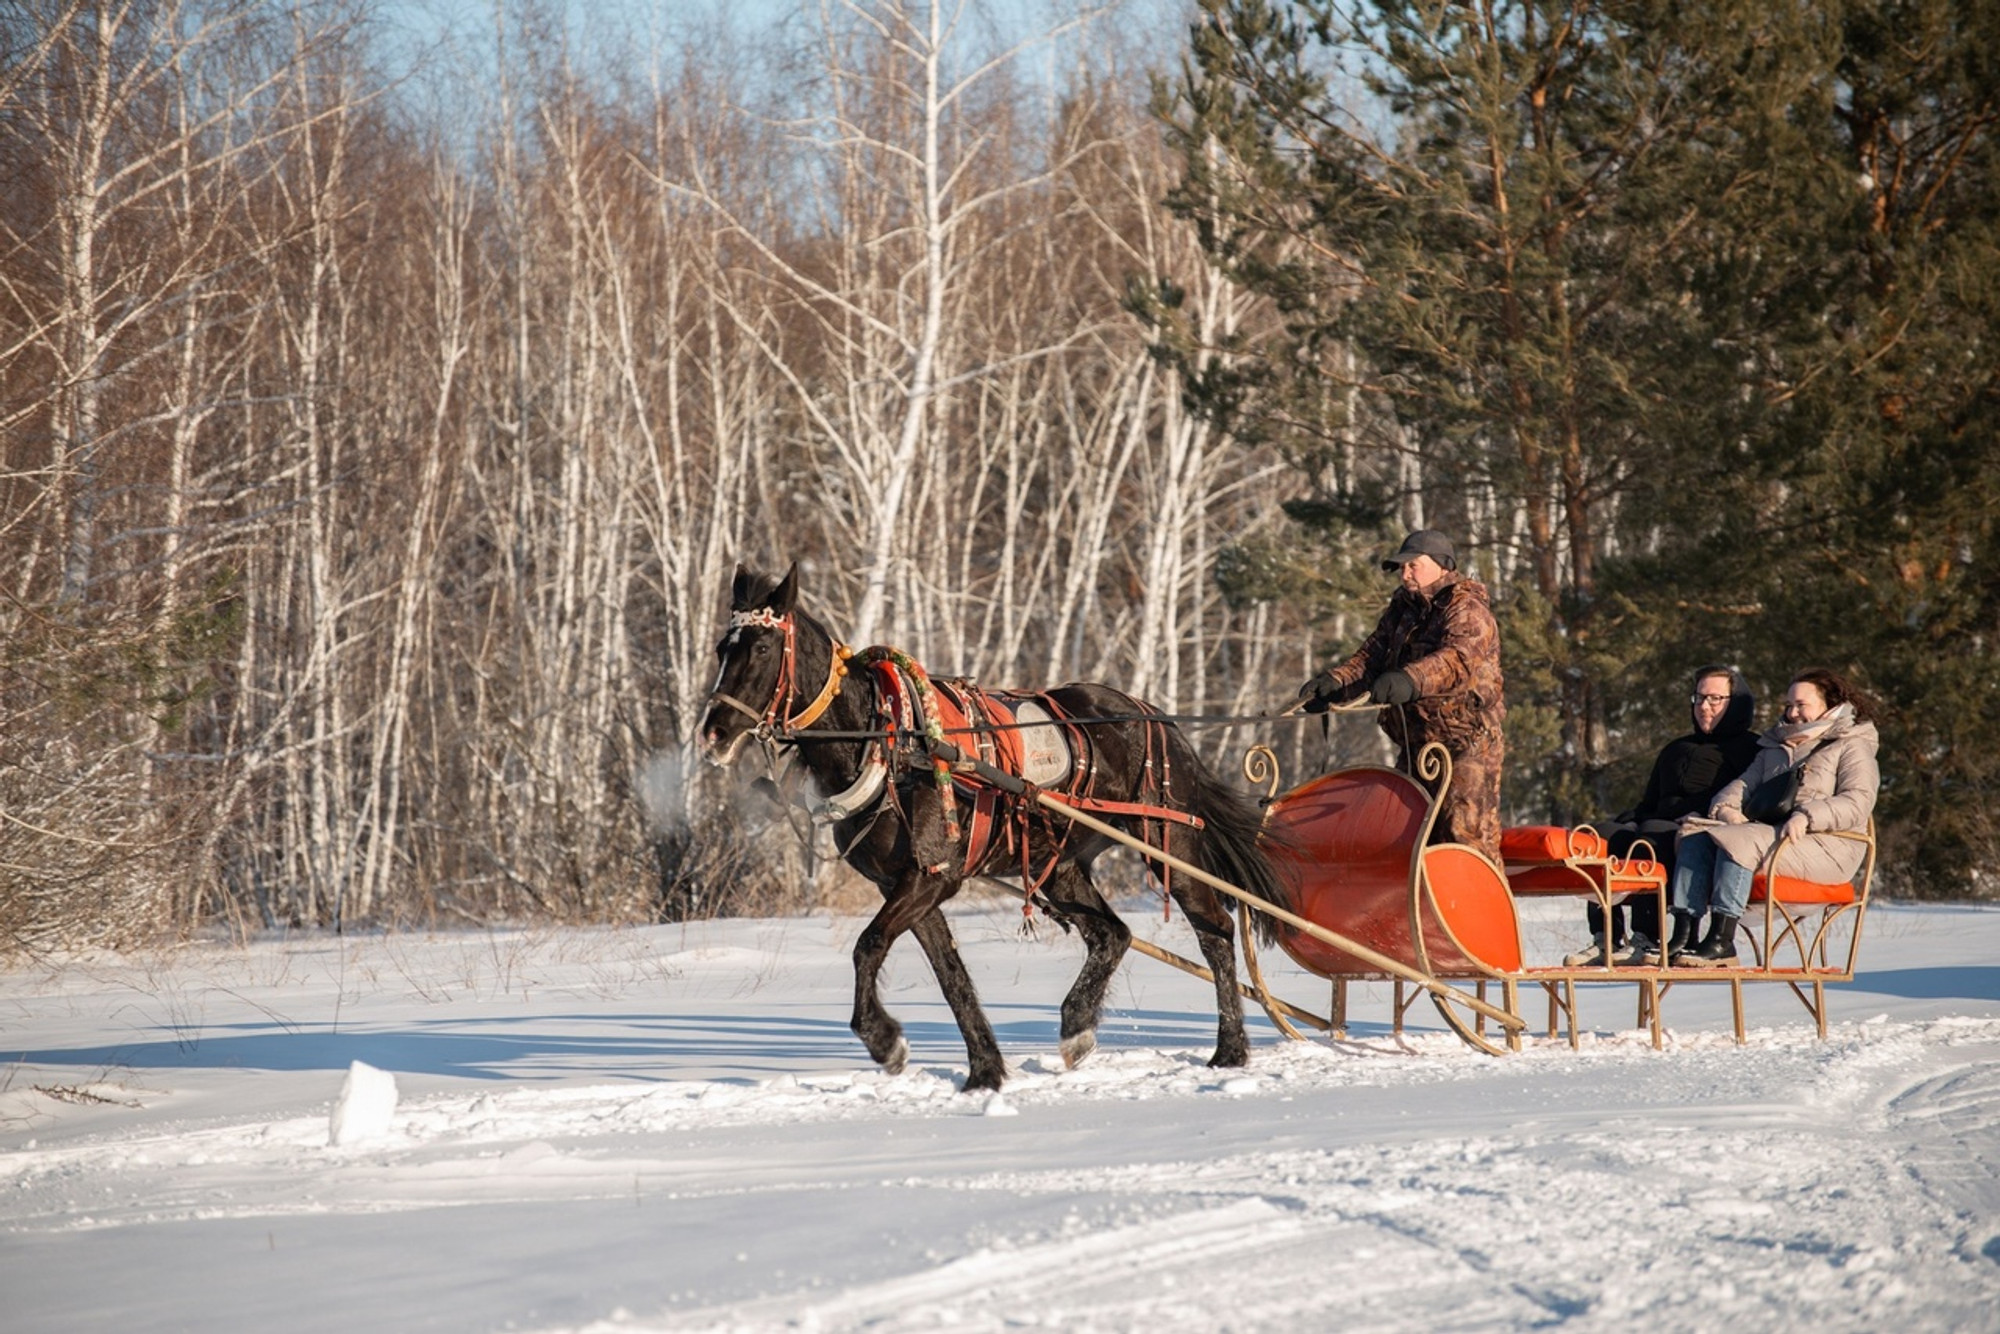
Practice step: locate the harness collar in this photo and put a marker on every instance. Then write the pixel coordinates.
(836, 674)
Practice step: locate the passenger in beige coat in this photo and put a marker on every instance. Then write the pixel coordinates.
(1828, 735)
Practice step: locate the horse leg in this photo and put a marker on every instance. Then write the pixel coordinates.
(879, 1032)
(1216, 935)
(1073, 898)
(982, 1050)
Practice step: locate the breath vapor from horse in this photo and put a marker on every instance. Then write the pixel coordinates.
(865, 727)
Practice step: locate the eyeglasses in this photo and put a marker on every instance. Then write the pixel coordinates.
(1708, 699)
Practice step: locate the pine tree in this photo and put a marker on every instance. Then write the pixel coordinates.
(1879, 480)
(1482, 243)
(1839, 484)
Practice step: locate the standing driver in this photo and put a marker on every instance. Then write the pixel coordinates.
(1435, 658)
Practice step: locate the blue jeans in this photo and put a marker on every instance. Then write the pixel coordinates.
(1705, 880)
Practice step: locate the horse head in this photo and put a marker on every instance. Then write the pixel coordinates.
(760, 656)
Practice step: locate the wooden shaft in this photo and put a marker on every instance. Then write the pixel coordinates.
(1168, 957)
(1354, 947)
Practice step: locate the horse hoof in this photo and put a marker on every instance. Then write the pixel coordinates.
(1229, 1060)
(1076, 1048)
(898, 1057)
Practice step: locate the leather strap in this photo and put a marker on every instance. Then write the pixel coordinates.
(836, 673)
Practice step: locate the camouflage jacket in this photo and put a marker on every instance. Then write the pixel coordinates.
(1449, 645)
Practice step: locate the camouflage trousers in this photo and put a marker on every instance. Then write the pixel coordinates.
(1470, 811)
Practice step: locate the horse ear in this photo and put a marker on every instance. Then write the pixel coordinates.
(786, 595)
(739, 591)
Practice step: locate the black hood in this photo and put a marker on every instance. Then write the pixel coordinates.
(1742, 711)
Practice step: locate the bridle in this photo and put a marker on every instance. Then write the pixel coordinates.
(773, 729)
(770, 721)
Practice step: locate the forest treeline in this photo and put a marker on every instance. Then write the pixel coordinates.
(380, 426)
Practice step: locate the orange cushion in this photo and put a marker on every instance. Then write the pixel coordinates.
(1549, 843)
(1791, 890)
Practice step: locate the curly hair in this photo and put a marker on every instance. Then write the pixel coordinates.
(1836, 690)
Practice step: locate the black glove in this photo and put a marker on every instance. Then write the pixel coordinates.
(1318, 693)
(1392, 688)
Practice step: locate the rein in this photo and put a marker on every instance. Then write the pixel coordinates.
(775, 728)
(1292, 715)
(772, 725)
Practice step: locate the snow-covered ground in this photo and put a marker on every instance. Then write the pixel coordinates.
(671, 1129)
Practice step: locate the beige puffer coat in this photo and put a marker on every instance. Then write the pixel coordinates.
(1837, 790)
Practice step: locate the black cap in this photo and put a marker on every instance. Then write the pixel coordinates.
(1424, 542)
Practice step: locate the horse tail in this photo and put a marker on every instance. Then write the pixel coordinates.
(1234, 842)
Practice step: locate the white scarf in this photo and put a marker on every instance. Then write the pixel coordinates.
(1798, 735)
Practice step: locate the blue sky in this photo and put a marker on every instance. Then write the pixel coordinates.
(460, 34)
(585, 15)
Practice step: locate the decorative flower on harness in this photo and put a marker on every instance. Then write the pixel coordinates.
(762, 617)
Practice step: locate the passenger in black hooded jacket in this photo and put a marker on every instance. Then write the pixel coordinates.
(1689, 772)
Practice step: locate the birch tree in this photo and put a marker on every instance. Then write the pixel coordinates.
(898, 170)
(137, 134)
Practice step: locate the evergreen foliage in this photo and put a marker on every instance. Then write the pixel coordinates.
(1681, 316)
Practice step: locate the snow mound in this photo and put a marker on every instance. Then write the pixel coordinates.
(365, 1107)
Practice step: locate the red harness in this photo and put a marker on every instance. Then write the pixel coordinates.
(983, 723)
(979, 723)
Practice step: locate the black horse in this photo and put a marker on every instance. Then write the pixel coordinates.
(784, 677)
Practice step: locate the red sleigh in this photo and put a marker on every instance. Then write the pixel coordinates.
(1380, 902)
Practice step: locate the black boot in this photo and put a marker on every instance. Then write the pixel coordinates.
(1695, 936)
(1718, 948)
(1678, 943)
